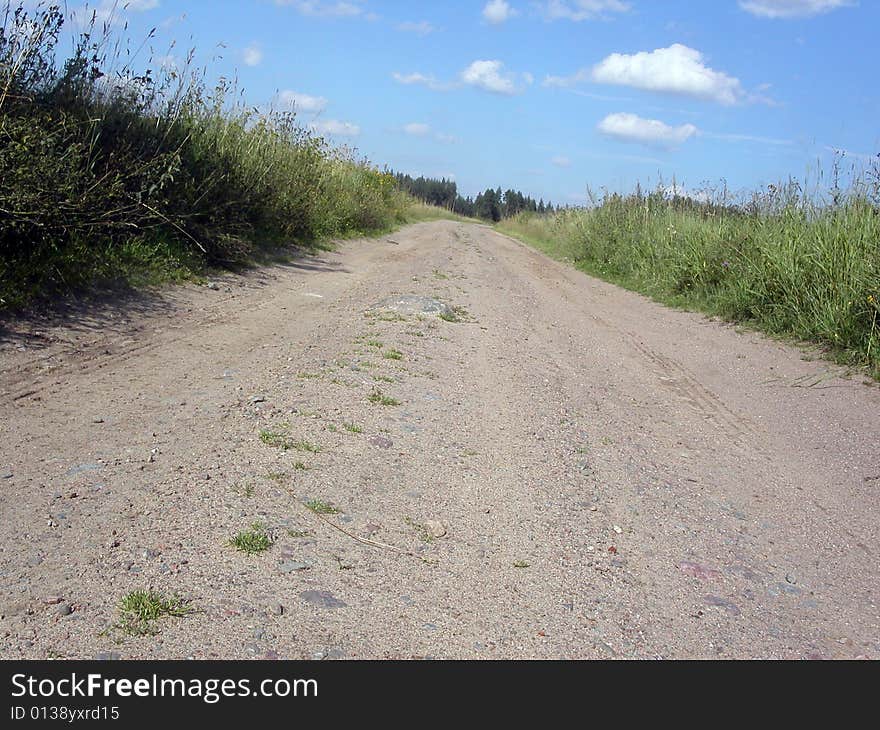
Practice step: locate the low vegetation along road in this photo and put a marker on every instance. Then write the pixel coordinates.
(268, 467)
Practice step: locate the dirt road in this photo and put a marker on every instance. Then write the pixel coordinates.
(613, 478)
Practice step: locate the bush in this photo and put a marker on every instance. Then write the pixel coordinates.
(107, 173)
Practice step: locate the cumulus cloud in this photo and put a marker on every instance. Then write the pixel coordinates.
(423, 27)
(792, 8)
(650, 132)
(497, 12)
(302, 102)
(335, 128)
(490, 76)
(561, 161)
(674, 70)
(578, 10)
(252, 55)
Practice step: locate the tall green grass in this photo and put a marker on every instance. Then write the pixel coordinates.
(782, 261)
(111, 172)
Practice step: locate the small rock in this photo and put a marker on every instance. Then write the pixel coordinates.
(98, 419)
(293, 566)
(324, 599)
(213, 286)
(616, 529)
(731, 608)
(258, 399)
(276, 609)
(382, 442)
(695, 570)
(65, 609)
(149, 554)
(6, 474)
(271, 655)
(53, 600)
(435, 528)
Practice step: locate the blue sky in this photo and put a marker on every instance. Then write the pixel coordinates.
(550, 97)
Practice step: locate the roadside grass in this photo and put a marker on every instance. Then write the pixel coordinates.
(458, 314)
(140, 611)
(243, 490)
(790, 264)
(119, 168)
(276, 439)
(252, 541)
(377, 397)
(353, 428)
(321, 507)
(286, 443)
(392, 354)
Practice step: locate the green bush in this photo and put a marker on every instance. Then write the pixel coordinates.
(106, 173)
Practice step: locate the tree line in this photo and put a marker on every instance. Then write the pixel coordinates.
(491, 205)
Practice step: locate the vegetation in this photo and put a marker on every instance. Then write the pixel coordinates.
(252, 541)
(782, 261)
(141, 609)
(491, 205)
(107, 171)
(377, 397)
(321, 507)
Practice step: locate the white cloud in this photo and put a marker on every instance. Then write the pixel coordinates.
(336, 128)
(315, 8)
(420, 129)
(578, 10)
(107, 12)
(417, 129)
(675, 70)
(750, 138)
(497, 12)
(490, 76)
(650, 132)
(561, 161)
(792, 8)
(252, 55)
(580, 76)
(302, 102)
(423, 27)
(418, 79)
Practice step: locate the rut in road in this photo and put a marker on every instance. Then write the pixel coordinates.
(569, 471)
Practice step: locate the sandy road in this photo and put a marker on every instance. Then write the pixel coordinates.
(615, 479)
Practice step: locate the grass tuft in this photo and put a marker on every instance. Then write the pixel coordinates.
(252, 541)
(322, 508)
(377, 397)
(140, 610)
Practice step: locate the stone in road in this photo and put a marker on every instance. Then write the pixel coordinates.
(614, 478)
